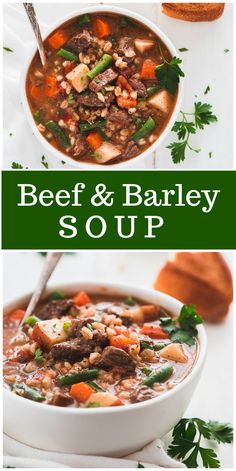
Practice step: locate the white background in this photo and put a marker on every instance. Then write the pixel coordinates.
(205, 64)
(214, 395)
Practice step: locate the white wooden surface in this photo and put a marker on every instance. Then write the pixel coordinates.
(214, 395)
(205, 64)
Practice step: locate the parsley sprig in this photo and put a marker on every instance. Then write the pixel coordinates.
(38, 356)
(201, 117)
(187, 441)
(168, 73)
(183, 329)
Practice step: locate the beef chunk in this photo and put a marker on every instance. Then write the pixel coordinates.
(92, 101)
(79, 147)
(125, 47)
(141, 394)
(55, 309)
(78, 347)
(80, 42)
(139, 87)
(102, 80)
(119, 118)
(113, 357)
(61, 399)
(131, 150)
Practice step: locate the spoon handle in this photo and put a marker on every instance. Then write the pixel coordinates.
(29, 8)
(51, 261)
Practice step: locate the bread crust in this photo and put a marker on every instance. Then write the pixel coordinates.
(211, 294)
(193, 11)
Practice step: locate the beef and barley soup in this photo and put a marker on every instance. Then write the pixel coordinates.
(90, 351)
(99, 99)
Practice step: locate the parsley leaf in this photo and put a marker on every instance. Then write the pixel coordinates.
(66, 326)
(7, 49)
(15, 166)
(183, 329)
(169, 73)
(183, 49)
(186, 441)
(221, 432)
(201, 117)
(140, 465)
(43, 162)
(38, 356)
(207, 90)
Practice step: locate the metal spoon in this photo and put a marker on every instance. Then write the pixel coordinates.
(51, 261)
(29, 8)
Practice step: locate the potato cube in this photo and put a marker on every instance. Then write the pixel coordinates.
(48, 333)
(78, 77)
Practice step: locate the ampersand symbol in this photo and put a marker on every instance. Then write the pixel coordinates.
(98, 199)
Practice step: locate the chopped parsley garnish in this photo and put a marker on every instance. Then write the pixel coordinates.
(187, 441)
(93, 404)
(201, 117)
(43, 162)
(140, 465)
(90, 327)
(17, 166)
(70, 98)
(7, 49)
(66, 326)
(169, 73)
(210, 154)
(226, 50)
(10, 134)
(183, 329)
(207, 90)
(38, 356)
(183, 49)
(129, 301)
(56, 295)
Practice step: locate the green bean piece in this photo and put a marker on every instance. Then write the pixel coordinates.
(69, 56)
(56, 295)
(144, 345)
(100, 67)
(31, 320)
(29, 393)
(58, 133)
(83, 20)
(38, 115)
(152, 90)
(145, 129)
(86, 127)
(159, 376)
(159, 346)
(87, 375)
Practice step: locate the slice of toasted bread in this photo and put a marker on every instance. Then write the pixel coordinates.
(193, 11)
(200, 278)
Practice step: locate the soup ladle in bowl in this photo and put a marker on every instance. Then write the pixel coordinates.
(51, 261)
(29, 8)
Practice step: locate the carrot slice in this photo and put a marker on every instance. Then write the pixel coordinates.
(36, 92)
(81, 392)
(102, 28)
(81, 299)
(154, 331)
(123, 83)
(17, 315)
(57, 39)
(148, 70)
(94, 140)
(121, 341)
(124, 102)
(51, 87)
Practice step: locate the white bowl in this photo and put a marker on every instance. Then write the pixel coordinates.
(114, 431)
(85, 165)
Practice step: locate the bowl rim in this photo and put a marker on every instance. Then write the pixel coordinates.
(86, 165)
(120, 289)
